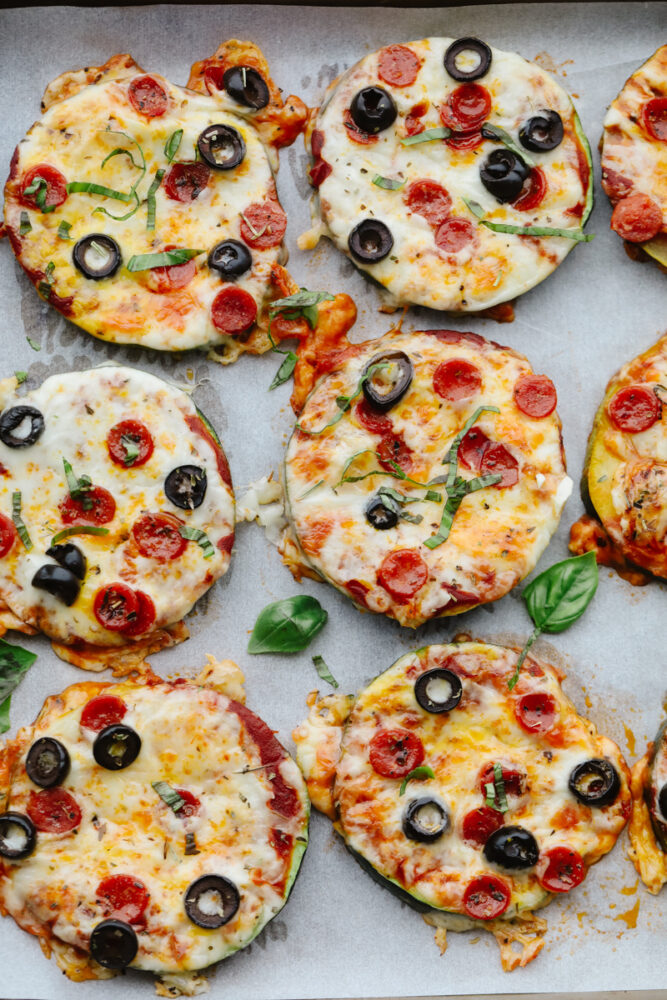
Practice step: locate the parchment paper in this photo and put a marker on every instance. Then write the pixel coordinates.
(341, 935)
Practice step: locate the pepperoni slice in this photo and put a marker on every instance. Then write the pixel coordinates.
(158, 536)
(233, 311)
(123, 897)
(472, 448)
(394, 753)
(319, 172)
(171, 277)
(634, 409)
(115, 607)
(7, 535)
(263, 224)
(466, 108)
(148, 97)
(102, 511)
(654, 118)
(226, 544)
(145, 616)
(479, 824)
(497, 459)
(56, 187)
(536, 712)
(465, 141)
(637, 218)
(533, 192)
(402, 573)
(430, 199)
(398, 66)
(102, 711)
(560, 869)
(53, 810)
(535, 395)
(394, 449)
(616, 185)
(126, 438)
(513, 780)
(454, 234)
(355, 133)
(186, 181)
(358, 591)
(457, 379)
(191, 804)
(376, 423)
(486, 897)
(317, 142)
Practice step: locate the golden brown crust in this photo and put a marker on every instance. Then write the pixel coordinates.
(72, 81)
(123, 660)
(324, 347)
(588, 535)
(644, 851)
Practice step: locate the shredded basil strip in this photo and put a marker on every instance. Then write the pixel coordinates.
(25, 226)
(302, 303)
(417, 773)
(578, 235)
(168, 795)
(172, 144)
(286, 368)
(442, 132)
(88, 187)
(145, 261)
(150, 198)
(200, 537)
(20, 377)
(14, 663)
(63, 230)
(255, 233)
(191, 844)
(79, 487)
(499, 783)
(39, 188)
(287, 626)
(311, 490)
(21, 529)
(119, 218)
(396, 474)
(490, 790)
(79, 529)
(118, 150)
(33, 343)
(499, 134)
(130, 447)
(388, 183)
(344, 402)
(323, 671)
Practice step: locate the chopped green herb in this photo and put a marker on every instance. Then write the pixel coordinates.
(168, 795)
(388, 183)
(33, 343)
(577, 235)
(79, 487)
(200, 537)
(50, 268)
(88, 187)
(416, 774)
(150, 199)
(145, 261)
(191, 844)
(442, 132)
(14, 663)
(172, 144)
(25, 226)
(499, 134)
(20, 377)
(21, 529)
(63, 230)
(495, 791)
(323, 671)
(78, 529)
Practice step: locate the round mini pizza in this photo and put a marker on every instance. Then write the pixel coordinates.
(116, 510)
(147, 213)
(476, 801)
(426, 472)
(634, 158)
(456, 175)
(155, 825)
(648, 824)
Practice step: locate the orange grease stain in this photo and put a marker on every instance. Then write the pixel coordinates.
(629, 739)
(630, 916)
(630, 890)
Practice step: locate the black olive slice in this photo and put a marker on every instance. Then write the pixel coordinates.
(438, 690)
(425, 820)
(246, 86)
(542, 132)
(96, 256)
(59, 582)
(478, 48)
(185, 486)
(380, 514)
(47, 763)
(116, 747)
(595, 782)
(387, 386)
(512, 847)
(26, 420)
(231, 258)
(211, 901)
(373, 109)
(503, 174)
(17, 836)
(113, 944)
(221, 146)
(71, 557)
(370, 241)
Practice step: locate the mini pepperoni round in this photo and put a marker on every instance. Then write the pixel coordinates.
(233, 311)
(56, 188)
(186, 181)
(144, 618)
(214, 77)
(454, 234)
(534, 190)
(123, 897)
(171, 277)
(654, 118)
(398, 65)
(130, 443)
(373, 421)
(466, 108)
(457, 379)
(319, 172)
(498, 460)
(634, 408)
(148, 97)
(393, 449)
(53, 810)
(486, 897)
(395, 752)
(514, 781)
(479, 824)
(536, 712)
(158, 536)
(115, 607)
(102, 711)
(429, 199)
(560, 869)
(402, 574)
(7, 535)
(637, 218)
(95, 506)
(191, 804)
(263, 224)
(472, 448)
(357, 134)
(465, 141)
(535, 395)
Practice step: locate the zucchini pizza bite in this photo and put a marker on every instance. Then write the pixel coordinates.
(633, 151)
(648, 824)
(116, 513)
(429, 161)
(147, 213)
(425, 474)
(475, 803)
(157, 825)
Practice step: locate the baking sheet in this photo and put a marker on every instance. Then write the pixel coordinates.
(341, 935)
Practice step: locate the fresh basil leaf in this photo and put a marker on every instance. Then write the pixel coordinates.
(88, 187)
(417, 773)
(168, 795)
(388, 183)
(33, 343)
(146, 261)
(577, 235)
(442, 132)
(498, 134)
(20, 377)
(25, 226)
(323, 671)
(287, 626)
(285, 371)
(63, 230)
(150, 199)
(303, 299)
(79, 529)
(14, 663)
(172, 144)
(21, 529)
(558, 597)
(200, 537)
